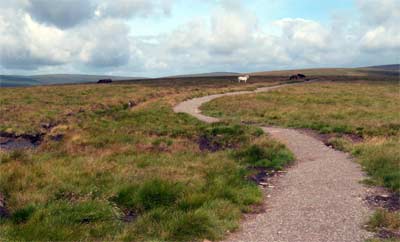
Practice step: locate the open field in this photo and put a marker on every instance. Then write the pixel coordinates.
(360, 117)
(127, 173)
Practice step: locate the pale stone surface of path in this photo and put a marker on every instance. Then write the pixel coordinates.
(319, 199)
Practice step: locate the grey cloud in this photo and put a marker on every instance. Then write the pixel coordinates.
(134, 8)
(61, 13)
(380, 29)
(107, 45)
(22, 58)
(378, 12)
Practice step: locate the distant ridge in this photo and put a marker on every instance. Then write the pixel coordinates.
(385, 70)
(208, 74)
(391, 70)
(392, 67)
(18, 81)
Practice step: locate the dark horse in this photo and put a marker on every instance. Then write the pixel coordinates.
(105, 81)
(298, 76)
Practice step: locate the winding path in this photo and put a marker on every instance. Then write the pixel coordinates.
(319, 199)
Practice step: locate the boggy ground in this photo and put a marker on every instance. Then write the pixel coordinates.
(107, 170)
(359, 117)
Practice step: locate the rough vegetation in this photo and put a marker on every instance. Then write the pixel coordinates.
(125, 173)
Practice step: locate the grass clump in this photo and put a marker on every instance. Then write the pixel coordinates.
(151, 194)
(194, 224)
(22, 215)
(272, 157)
(384, 219)
(14, 155)
(340, 143)
(222, 136)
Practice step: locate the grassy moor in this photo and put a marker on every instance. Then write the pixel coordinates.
(116, 163)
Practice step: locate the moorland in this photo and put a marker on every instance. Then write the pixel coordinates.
(114, 162)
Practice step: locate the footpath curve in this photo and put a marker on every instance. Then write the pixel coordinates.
(320, 198)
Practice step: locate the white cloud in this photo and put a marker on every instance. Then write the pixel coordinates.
(304, 32)
(379, 12)
(380, 25)
(230, 37)
(107, 45)
(381, 38)
(27, 44)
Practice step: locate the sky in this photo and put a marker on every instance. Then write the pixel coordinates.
(153, 38)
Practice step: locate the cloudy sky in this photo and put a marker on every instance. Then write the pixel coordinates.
(167, 37)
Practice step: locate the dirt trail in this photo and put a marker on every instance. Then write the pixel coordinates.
(319, 199)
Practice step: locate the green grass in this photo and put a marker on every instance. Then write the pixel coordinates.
(271, 156)
(114, 161)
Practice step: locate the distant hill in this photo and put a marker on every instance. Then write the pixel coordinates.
(385, 70)
(16, 81)
(208, 74)
(394, 67)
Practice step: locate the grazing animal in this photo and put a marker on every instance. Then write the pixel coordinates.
(243, 78)
(298, 76)
(131, 104)
(105, 81)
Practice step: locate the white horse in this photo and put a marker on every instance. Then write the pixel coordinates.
(243, 78)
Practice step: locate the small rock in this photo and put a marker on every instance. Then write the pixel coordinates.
(4, 140)
(263, 184)
(45, 125)
(4, 213)
(57, 137)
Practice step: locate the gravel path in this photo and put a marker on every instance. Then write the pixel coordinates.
(319, 199)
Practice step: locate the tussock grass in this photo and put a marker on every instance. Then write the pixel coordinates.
(384, 223)
(384, 219)
(271, 156)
